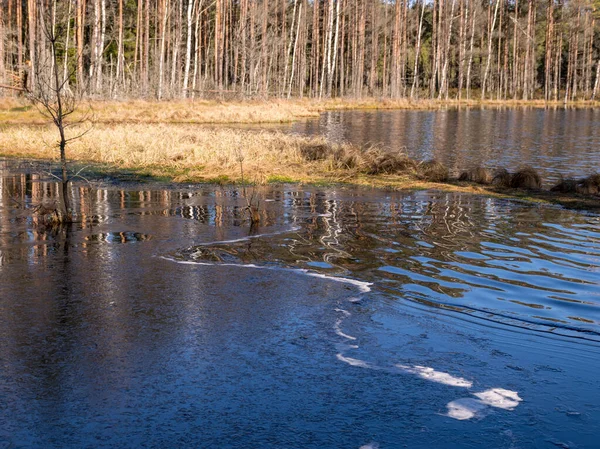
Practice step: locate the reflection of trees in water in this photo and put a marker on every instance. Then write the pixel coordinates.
(437, 248)
(434, 246)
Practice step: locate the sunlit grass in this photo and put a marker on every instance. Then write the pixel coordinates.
(18, 111)
(184, 153)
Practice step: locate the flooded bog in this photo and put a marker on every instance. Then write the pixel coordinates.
(349, 318)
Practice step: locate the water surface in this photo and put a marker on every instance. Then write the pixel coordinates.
(348, 318)
(554, 141)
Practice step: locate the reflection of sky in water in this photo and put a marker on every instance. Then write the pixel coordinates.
(556, 141)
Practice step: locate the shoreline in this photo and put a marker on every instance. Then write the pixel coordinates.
(185, 153)
(110, 176)
(19, 111)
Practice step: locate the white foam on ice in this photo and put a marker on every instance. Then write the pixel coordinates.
(433, 375)
(353, 362)
(465, 408)
(337, 327)
(363, 287)
(499, 398)
(371, 445)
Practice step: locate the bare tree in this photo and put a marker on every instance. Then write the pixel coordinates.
(56, 101)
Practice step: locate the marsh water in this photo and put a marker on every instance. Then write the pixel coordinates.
(557, 142)
(349, 318)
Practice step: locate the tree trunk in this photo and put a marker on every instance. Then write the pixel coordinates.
(263, 48)
(444, 83)
(470, 63)
(489, 51)
(548, 55)
(164, 12)
(415, 81)
(289, 95)
(120, 55)
(32, 14)
(2, 51)
(462, 49)
(100, 55)
(396, 45)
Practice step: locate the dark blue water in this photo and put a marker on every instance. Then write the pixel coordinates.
(349, 318)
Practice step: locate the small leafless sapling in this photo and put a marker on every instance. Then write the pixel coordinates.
(252, 201)
(54, 99)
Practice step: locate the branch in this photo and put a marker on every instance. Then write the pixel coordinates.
(5, 86)
(78, 175)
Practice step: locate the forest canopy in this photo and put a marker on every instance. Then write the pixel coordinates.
(440, 49)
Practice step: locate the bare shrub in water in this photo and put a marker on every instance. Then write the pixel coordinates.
(526, 178)
(478, 175)
(47, 214)
(502, 178)
(433, 171)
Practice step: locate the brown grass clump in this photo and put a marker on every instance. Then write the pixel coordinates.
(589, 185)
(502, 178)
(378, 161)
(568, 185)
(433, 171)
(370, 161)
(315, 151)
(527, 179)
(181, 152)
(347, 157)
(585, 186)
(478, 175)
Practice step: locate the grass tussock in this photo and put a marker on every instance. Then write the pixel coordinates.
(187, 153)
(179, 152)
(383, 162)
(527, 179)
(477, 175)
(369, 161)
(584, 186)
(502, 178)
(590, 185)
(433, 171)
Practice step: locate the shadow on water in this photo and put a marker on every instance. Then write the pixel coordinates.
(349, 318)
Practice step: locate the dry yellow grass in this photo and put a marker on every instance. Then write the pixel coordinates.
(19, 111)
(181, 152)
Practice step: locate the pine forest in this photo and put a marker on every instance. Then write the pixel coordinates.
(440, 49)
